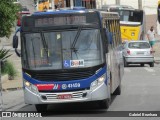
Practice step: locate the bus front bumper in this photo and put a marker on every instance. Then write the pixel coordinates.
(99, 93)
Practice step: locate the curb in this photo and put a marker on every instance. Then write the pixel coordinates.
(12, 89)
(4, 80)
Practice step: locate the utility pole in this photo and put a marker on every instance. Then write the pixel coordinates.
(117, 2)
(72, 3)
(140, 4)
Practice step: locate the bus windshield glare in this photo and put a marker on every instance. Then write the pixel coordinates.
(62, 49)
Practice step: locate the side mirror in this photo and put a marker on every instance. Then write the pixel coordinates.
(15, 41)
(158, 15)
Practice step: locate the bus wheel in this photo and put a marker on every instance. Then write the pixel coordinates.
(104, 104)
(118, 90)
(41, 107)
(142, 65)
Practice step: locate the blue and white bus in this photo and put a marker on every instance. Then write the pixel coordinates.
(70, 56)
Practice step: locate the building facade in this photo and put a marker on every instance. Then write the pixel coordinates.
(149, 6)
(89, 4)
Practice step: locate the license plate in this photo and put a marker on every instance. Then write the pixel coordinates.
(140, 53)
(64, 96)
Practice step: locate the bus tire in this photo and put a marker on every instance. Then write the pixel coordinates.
(41, 107)
(117, 91)
(104, 104)
(125, 63)
(142, 64)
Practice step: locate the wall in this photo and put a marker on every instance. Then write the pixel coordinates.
(133, 3)
(150, 6)
(104, 2)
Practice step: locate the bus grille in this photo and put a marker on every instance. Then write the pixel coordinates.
(63, 76)
(53, 96)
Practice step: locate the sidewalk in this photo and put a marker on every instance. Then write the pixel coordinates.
(156, 48)
(17, 82)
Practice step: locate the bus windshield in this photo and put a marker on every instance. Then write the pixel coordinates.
(130, 16)
(62, 49)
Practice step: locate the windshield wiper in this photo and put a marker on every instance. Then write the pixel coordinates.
(45, 44)
(76, 38)
(75, 41)
(25, 52)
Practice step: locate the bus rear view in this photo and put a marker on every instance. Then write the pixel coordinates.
(132, 21)
(63, 59)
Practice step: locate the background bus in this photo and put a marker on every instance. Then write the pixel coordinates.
(132, 21)
(70, 56)
(42, 5)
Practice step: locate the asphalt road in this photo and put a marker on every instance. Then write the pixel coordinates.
(140, 92)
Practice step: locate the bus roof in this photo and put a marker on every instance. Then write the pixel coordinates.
(60, 12)
(120, 7)
(72, 11)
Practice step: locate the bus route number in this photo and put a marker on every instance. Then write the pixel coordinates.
(74, 85)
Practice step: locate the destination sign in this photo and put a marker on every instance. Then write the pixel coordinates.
(55, 21)
(51, 21)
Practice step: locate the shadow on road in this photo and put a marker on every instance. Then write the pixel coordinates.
(136, 65)
(84, 109)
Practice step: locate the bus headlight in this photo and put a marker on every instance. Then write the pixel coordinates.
(30, 86)
(98, 82)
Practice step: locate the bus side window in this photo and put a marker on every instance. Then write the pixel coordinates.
(108, 33)
(109, 36)
(116, 32)
(119, 32)
(112, 33)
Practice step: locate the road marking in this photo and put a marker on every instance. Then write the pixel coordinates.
(127, 70)
(149, 69)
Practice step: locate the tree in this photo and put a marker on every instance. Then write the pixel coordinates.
(8, 15)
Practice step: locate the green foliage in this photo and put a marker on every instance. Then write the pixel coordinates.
(4, 54)
(4, 69)
(8, 15)
(9, 69)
